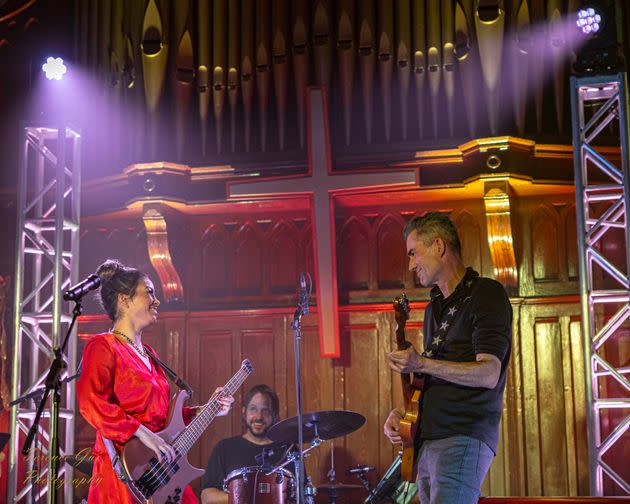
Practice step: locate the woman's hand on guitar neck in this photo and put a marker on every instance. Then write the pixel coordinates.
(224, 401)
(392, 425)
(405, 361)
(155, 443)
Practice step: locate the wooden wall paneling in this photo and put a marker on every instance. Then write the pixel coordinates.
(391, 262)
(530, 411)
(210, 362)
(571, 249)
(257, 345)
(282, 338)
(283, 258)
(545, 245)
(552, 408)
(472, 237)
(215, 262)
(248, 260)
(552, 412)
(353, 252)
(547, 250)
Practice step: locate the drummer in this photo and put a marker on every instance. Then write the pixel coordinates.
(261, 408)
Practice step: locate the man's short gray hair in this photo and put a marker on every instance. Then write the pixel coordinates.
(434, 225)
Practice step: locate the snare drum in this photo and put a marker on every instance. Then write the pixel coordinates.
(251, 484)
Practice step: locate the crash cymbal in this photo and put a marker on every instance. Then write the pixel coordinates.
(325, 424)
(337, 487)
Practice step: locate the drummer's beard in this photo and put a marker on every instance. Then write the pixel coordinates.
(260, 430)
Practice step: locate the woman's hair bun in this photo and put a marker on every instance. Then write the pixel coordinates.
(108, 269)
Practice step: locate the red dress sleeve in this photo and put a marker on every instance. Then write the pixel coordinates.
(95, 393)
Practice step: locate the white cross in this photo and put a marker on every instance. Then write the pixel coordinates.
(321, 185)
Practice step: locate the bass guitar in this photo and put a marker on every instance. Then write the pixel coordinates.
(154, 482)
(412, 386)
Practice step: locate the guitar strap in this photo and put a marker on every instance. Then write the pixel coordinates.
(171, 375)
(109, 444)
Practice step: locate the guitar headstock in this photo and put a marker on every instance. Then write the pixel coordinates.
(401, 309)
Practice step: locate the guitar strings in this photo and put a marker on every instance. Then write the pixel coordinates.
(160, 471)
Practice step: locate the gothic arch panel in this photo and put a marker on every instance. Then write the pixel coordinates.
(353, 255)
(215, 262)
(248, 261)
(391, 262)
(283, 264)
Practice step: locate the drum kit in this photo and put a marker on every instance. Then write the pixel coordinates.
(276, 485)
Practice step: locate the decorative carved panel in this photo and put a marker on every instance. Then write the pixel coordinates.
(283, 258)
(248, 261)
(545, 244)
(215, 264)
(390, 252)
(472, 240)
(353, 252)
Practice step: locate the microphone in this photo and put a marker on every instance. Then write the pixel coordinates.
(303, 294)
(75, 293)
(360, 469)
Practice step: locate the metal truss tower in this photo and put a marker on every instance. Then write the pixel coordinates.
(46, 262)
(602, 187)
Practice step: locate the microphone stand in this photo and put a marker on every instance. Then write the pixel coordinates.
(52, 384)
(302, 309)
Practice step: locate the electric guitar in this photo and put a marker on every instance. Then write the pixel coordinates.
(154, 482)
(412, 386)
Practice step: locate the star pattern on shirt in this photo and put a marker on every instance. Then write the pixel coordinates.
(444, 325)
(452, 310)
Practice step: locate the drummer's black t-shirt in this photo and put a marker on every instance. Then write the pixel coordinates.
(235, 453)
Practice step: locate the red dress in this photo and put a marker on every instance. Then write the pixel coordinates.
(116, 393)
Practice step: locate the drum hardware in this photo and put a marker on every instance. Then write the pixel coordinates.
(392, 488)
(314, 428)
(360, 472)
(334, 488)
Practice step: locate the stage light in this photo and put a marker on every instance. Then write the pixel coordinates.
(54, 68)
(589, 20)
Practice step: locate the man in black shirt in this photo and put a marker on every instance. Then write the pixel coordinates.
(467, 345)
(260, 411)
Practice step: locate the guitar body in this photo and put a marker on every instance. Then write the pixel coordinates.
(136, 458)
(152, 482)
(412, 386)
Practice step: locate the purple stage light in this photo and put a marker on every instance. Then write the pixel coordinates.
(54, 68)
(588, 21)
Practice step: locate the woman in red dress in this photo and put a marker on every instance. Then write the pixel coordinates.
(121, 392)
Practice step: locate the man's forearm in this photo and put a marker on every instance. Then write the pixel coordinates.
(213, 496)
(480, 373)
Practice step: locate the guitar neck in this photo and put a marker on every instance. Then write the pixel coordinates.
(189, 436)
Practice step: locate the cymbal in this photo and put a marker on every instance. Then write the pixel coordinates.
(326, 424)
(335, 487)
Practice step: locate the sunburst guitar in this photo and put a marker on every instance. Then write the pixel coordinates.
(412, 386)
